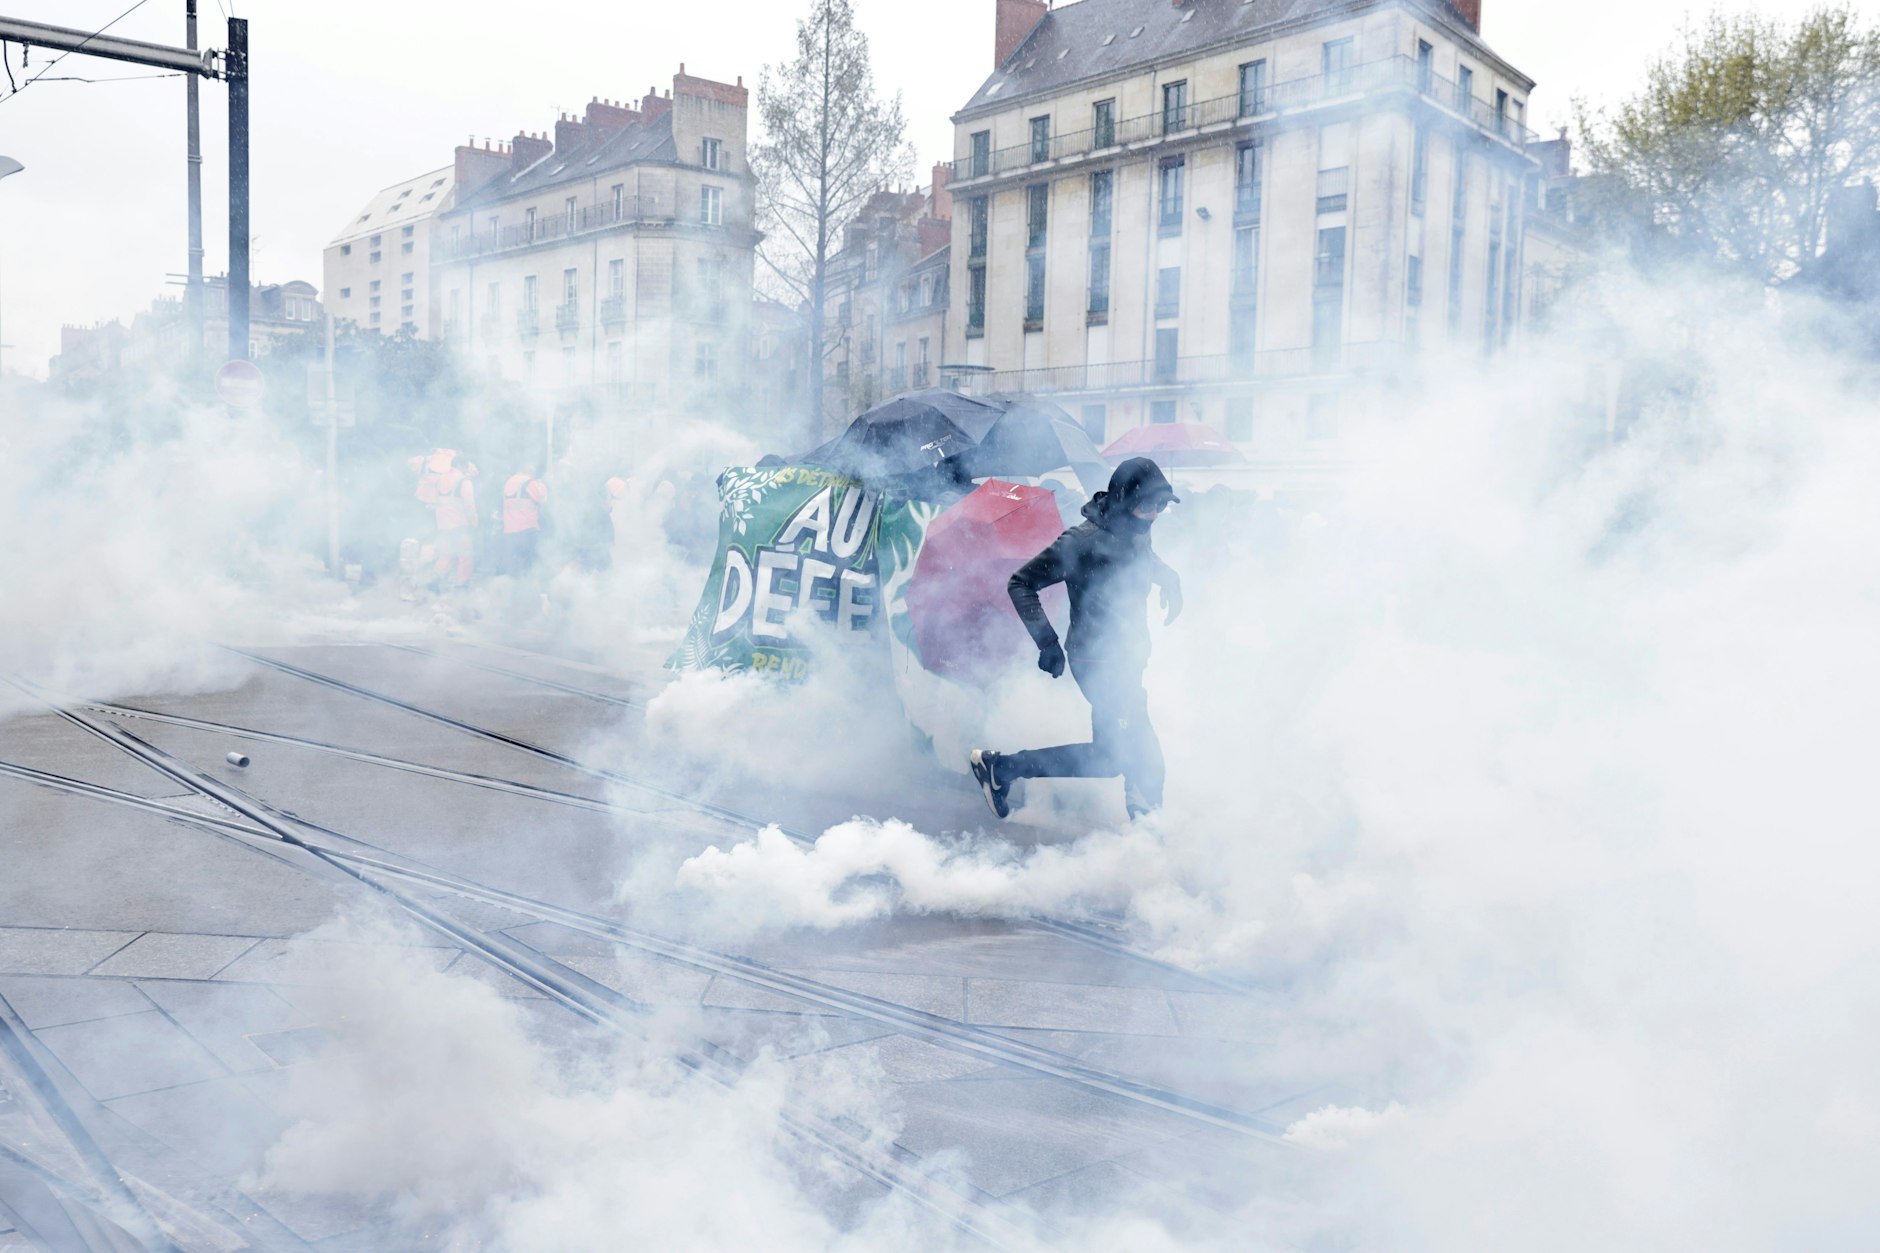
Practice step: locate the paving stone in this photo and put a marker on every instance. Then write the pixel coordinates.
(42, 1001)
(219, 1123)
(646, 980)
(1068, 1006)
(319, 963)
(133, 1053)
(1224, 1016)
(169, 955)
(222, 1016)
(49, 951)
(904, 1059)
(943, 995)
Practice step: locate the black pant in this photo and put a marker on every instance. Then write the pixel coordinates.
(1122, 741)
(518, 549)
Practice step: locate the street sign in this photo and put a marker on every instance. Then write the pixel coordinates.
(240, 384)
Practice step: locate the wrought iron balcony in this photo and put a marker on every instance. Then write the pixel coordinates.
(528, 322)
(568, 315)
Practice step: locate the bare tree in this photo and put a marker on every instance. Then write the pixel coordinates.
(829, 143)
(1738, 140)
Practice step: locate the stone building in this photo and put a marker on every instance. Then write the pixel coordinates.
(607, 268)
(378, 270)
(1237, 211)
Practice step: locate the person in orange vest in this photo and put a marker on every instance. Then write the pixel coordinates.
(456, 521)
(523, 497)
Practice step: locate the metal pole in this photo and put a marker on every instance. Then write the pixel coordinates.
(332, 459)
(8, 166)
(192, 293)
(238, 284)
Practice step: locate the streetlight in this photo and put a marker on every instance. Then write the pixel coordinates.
(7, 166)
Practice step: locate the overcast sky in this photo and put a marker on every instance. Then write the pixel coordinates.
(352, 95)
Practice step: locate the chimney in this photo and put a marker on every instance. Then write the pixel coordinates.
(684, 84)
(526, 149)
(942, 207)
(654, 105)
(1471, 13)
(570, 133)
(477, 166)
(1016, 20)
(607, 115)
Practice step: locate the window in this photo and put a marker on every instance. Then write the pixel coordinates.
(1329, 265)
(1253, 88)
(1335, 59)
(1040, 139)
(375, 284)
(1518, 110)
(374, 258)
(1174, 107)
(528, 367)
(405, 312)
(1501, 112)
(1465, 89)
(982, 154)
(568, 213)
(616, 362)
(1426, 66)
(375, 302)
(1169, 194)
(407, 276)
(345, 250)
(617, 277)
(405, 294)
(1034, 290)
(1413, 301)
(1168, 291)
(977, 211)
(375, 241)
(1459, 204)
(1167, 342)
(1099, 278)
(406, 248)
(569, 287)
(528, 293)
(1037, 208)
(1103, 124)
(1102, 201)
(345, 293)
(429, 195)
(528, 225)
(1247, 180)
(976, 299)
(1246, 260)
(375, 317)
(1419, 171)
(711, 206)
(409, 231)
(1096, 423)
(1162, 412)
(1239, 423)
(711, 154)
(1322, 417)
(620, 202)
(705, 361)
(493, 302)
(1333, 186)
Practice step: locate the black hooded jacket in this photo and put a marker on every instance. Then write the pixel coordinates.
(1107, 565)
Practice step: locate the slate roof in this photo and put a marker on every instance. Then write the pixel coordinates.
(645, 141)
(410, 201)
(1096, 38)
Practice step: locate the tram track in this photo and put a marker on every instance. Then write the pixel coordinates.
(1078, 931)
(979, 1215)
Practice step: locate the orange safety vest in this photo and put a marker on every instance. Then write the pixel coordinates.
(523, 496)
(456, 502)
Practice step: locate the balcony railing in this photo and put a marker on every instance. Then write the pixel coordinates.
(1189, 371)
(897, 379)
(631, 211)
(1313, 91)
(568, 315)
(528, 322)
(613, 310)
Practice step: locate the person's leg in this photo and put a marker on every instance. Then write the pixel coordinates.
(1138, 751)
(1090, 760)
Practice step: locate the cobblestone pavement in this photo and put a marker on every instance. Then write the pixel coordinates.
(158, 989)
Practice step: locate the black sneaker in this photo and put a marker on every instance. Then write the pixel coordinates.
(982, 763)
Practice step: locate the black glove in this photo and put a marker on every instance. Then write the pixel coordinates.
(1051, 658)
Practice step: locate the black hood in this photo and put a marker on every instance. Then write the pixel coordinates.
(1135, 481)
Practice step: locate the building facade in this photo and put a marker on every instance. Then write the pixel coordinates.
(888, 290)
(159, 338)
(378, 270)
(607, 269)
(1235, 212)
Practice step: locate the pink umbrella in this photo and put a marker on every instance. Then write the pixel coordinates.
(964, 623)
(1175, 444)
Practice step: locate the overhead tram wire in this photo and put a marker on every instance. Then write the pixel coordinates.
(81, 47)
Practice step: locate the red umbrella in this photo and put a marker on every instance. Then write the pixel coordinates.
(1175, 444)
(964, 623)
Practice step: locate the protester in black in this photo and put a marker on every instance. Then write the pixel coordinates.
(1107, 565)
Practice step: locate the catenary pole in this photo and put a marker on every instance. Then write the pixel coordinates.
(238, 287)
(192, 293)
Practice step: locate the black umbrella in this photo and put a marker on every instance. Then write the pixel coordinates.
(907, 435)
(1032, 437)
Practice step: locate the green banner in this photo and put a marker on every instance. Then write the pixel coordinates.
(798, 547)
